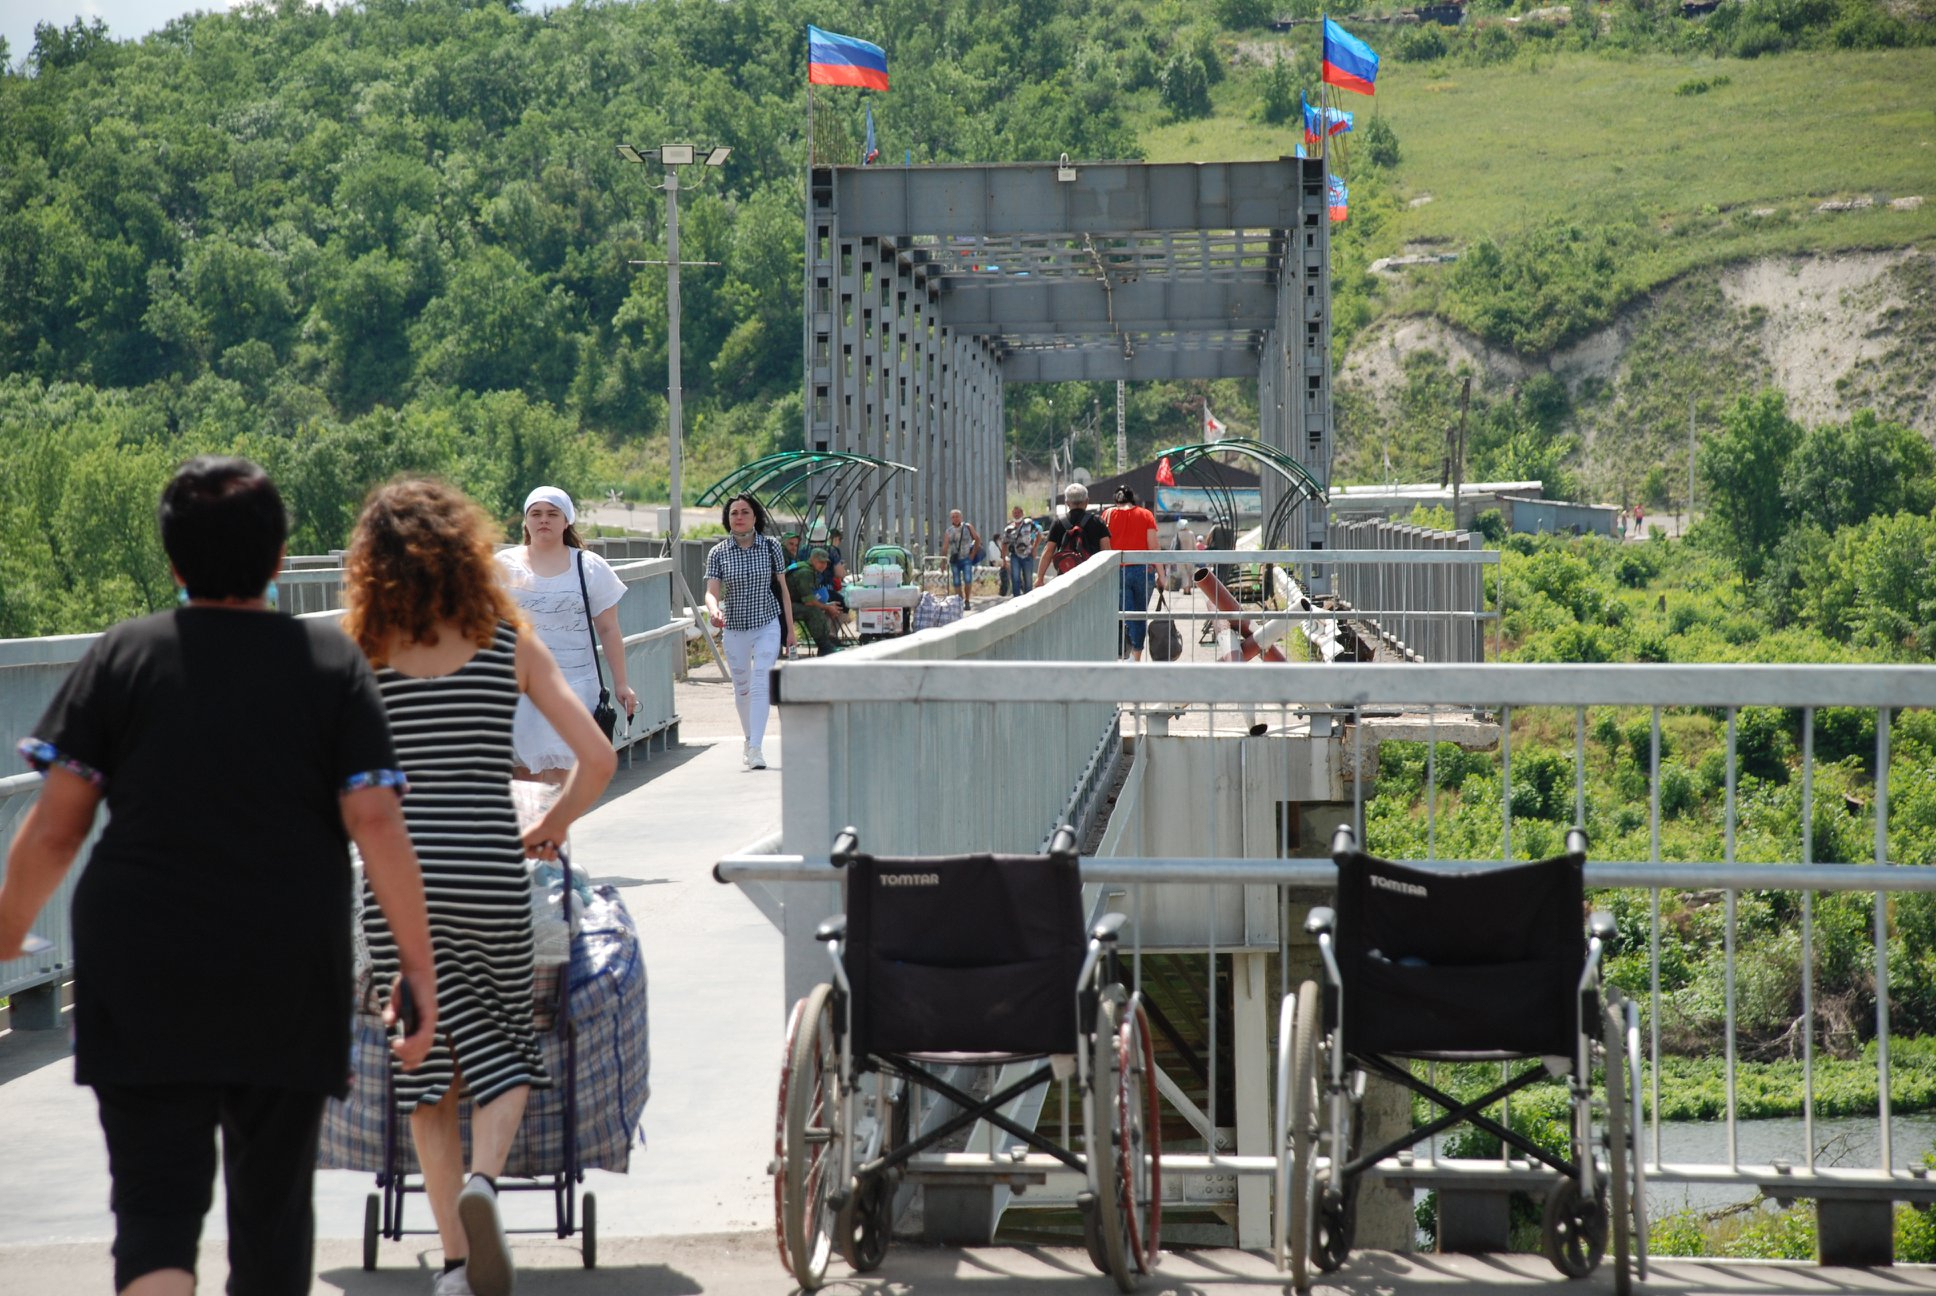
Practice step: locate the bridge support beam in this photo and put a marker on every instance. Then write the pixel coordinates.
(1855, 1231)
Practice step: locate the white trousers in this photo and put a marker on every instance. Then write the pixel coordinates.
(750, 655)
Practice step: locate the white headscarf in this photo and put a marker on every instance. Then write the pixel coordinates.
(555, 497)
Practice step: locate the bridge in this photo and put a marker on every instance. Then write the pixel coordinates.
(1205, 790)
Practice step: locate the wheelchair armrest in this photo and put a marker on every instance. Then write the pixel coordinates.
(835, 928)
(1600, 924)
(1343, 841)
(1320, 920)
(1109, 927)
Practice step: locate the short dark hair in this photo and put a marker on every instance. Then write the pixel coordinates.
(759, 513)
(223, 527)
(1124, 495)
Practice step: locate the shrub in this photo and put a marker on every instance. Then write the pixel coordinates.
(1676, 791)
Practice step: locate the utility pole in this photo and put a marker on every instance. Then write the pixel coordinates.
(1690, 463)
(1122, 445)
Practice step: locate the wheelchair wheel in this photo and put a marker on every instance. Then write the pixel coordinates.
(1574, 1231)
(588, 1229)
(1625, 1172)
(1301, 1114)
(1106, 1226)
(1139, 1139)
(808, 1140)
(1336, 1225)
(1281, 1198)
(866, 1223)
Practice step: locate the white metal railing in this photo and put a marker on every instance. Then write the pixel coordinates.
(1277, 724)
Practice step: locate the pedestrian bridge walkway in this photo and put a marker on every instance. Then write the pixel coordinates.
(871, 737)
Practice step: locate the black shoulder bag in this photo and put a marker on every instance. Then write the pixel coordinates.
(604, 713)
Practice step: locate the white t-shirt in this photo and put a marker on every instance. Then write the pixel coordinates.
(556, 611)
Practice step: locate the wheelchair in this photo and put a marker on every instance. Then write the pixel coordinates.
(979, 959)
(1474, 965)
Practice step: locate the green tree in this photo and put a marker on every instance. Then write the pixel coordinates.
(1278, 94)
(1381, 143)
(1184, 87)
(1842, 474)
(1743, 470)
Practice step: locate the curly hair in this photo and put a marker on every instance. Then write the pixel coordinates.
(421, 554)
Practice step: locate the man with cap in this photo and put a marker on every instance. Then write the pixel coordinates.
(808, 584)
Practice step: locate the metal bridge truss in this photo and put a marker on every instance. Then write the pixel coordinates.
(929, 289)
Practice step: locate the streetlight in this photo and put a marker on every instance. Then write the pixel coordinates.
(673, 156)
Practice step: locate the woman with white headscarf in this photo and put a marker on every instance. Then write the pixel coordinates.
(566, 592)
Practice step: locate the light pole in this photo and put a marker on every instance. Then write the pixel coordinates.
(672, 157)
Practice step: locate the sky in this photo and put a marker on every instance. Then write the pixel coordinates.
(126, 19)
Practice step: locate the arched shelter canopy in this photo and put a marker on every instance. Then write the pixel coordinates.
(796, 481)
(1299, 484)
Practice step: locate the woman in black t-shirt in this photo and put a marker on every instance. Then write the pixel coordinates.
(238, 753)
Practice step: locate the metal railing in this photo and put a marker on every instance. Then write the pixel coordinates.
(1238, 767)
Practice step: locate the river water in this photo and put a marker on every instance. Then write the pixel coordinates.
(1841, 1142)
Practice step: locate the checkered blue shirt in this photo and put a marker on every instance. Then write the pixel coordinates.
(745, 577)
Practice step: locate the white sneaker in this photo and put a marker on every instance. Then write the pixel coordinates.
(488, 1270)
(455, 1283)
(746, 755)
(755, 759)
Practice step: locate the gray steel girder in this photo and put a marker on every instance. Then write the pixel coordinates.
(1103, 198)
(1075, 307)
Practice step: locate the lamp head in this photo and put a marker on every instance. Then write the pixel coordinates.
(675, 154)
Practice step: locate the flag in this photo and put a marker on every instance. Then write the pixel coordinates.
(833, 59)
(1213, 428)
(1335, 198)
(1324, 123)
(872, 153)
(1164, 477)
(1348, 62)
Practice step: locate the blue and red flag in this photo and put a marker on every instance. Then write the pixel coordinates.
(872, 152)
(1349, 63)
(1336, 198)
(833, 59)
(1324, 123)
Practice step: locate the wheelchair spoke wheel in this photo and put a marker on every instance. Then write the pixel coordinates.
(1625, 1173)
(1301, 1114)
(809, 1139)
(1335, 1227)
(1139, 1138)
(1106, 1229)
(865, 1223)
(1574, 1231)
(1281, 1198)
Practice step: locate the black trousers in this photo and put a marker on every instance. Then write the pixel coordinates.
(161, 1156)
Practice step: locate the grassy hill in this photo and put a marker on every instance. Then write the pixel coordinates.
(1595, 139)
(1636, 232)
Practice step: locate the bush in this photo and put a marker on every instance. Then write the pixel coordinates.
(1420, 44)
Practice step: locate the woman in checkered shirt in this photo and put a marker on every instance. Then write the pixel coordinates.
(746, 596)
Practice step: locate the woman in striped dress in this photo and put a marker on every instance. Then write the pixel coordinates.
(452, 659)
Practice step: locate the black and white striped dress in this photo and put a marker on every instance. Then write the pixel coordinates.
(453, 738)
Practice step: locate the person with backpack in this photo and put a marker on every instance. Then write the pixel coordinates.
(1019, 539)
(1074, 538)
(963, 545)
(1132, 527)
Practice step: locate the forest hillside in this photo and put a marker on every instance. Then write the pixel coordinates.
(395, 235)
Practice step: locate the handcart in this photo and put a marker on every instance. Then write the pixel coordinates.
(383, 1210)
